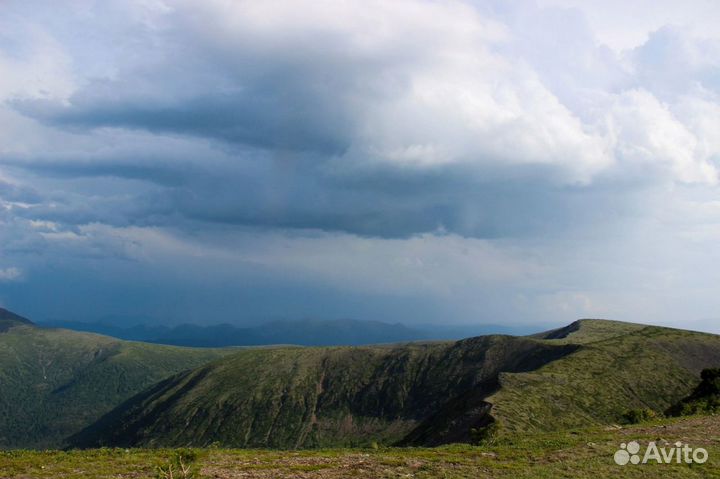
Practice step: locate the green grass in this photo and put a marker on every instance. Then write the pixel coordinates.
(586, 331)
(578, 454)
(643, 368)
(54, 382)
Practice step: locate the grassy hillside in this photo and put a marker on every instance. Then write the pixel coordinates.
(576, 454)
(307, 397)
(619, 367)
(54, 382)
(591, 372)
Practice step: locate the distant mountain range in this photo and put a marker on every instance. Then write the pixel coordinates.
(306, 332)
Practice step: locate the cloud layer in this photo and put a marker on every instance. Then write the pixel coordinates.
(364, 135)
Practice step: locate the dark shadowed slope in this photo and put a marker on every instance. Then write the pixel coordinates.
(54, 382)
(705, 398)
(414, 394)
(8, 319)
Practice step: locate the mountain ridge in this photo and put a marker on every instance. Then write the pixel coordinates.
(307, 332)
(303, 332)
(283, 398)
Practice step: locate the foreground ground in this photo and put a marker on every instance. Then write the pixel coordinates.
(572, 454)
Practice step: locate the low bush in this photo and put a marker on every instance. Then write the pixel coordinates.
(635, 416)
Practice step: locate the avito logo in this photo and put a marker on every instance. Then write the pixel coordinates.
(630, 453)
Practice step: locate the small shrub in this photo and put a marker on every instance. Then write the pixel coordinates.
(710, 384)
(180, 466)
(484, 435)
(635, 416)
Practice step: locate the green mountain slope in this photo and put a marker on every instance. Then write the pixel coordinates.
(588, 373)
(306, 397)
(643, 367)
(54, 382)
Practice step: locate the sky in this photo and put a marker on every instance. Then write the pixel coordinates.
(415, 161)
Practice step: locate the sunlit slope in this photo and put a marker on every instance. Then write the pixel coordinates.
(644, 367)
(54, 382)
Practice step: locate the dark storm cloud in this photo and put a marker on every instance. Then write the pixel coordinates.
(145, 171)
(260, 117)
(385, 203)
(278, 95)
(292, 115)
